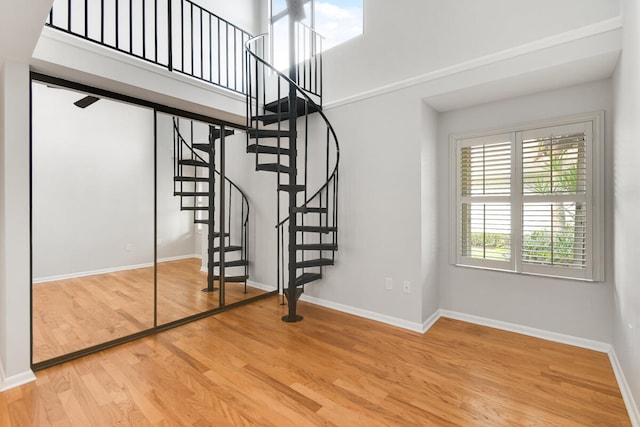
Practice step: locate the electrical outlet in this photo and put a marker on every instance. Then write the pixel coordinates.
(406, 287)
(388, 283)
(129, 247)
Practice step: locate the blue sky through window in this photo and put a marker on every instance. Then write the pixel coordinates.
(336, 20)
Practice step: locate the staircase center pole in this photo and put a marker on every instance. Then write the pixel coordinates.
(211, 214)
(293, 171)
(221, 207)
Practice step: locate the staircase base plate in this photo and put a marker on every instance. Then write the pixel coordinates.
(297, 318)
(210, 290)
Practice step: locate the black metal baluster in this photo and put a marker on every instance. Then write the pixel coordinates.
(201, 47)
(170, 34)
(155, 30)
(69, 6)
(191, 31)
(182, 35)
(210, 49)
(219, 56)
(131, 27)
(226, 40)
(235, 59)
(102, 21)
(117, 18)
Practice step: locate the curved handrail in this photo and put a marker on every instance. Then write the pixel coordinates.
(245, 199)
(309, 99)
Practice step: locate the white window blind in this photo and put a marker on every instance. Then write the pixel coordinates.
(484, 207)
(526, 200)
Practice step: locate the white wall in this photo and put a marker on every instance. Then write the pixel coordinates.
(92, 184)
(580, 309)
(93, 187)
(246, 14)
(626, 320)
(429, 215)
(14, 226)
(415, 37)
(381, 209)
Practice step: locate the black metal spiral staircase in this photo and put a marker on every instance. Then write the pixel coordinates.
(292, 137)
(195, 180)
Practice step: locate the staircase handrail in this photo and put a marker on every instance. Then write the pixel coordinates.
(308, 99)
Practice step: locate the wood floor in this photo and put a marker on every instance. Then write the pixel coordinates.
(246, 367)
(74, 314)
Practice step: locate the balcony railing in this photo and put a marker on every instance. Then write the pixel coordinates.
(178, 35)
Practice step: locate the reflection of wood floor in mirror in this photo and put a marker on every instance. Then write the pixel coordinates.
(72, 314)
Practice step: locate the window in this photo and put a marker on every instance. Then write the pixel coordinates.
(335, 20)
(529, 199)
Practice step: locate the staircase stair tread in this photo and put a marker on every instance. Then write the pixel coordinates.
(266, 149)
(193, 162)
(236, 279)
(314, 262)
(294, 188)
(268, 133)
(284, 106)
(316, 229)
(273, 167)
(201, 221)
(217, 234)
(317, 247)
(303, 209)
(202, 147)
(234, 263)
(307, 277)
(230, 248)
(194, 208)
(190, 193)
(269, 119)
(191, 178)
(216, 132)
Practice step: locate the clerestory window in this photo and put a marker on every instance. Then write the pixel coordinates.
(529, 199)
(335, 20)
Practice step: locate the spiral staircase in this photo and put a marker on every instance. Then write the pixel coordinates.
(290, 136)
(195, 182)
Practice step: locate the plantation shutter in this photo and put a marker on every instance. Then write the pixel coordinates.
(485, 171)
(555, 190)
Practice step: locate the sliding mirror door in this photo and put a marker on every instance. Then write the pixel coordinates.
(92, 221)
(183, 216)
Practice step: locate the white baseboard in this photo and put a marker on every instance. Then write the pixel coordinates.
(389, 320)
(261, 286)
(627, 396)
(7, 383)
(427, 324)
(526, 330)
(109, 270)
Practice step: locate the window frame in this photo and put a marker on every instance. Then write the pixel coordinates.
(594, 199)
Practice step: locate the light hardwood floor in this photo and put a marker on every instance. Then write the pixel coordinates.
(74, 314)
(247, 367)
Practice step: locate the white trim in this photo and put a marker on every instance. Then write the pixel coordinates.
(262, 286)
(109, 270)
(427, 324)
(627, 396)
(592, 124)
(7, 383)
(389, 320)
(526, 330)
(577, 34)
